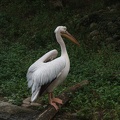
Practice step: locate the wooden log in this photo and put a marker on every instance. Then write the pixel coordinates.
(50, 112)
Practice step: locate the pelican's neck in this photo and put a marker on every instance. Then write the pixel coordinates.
(61, 42)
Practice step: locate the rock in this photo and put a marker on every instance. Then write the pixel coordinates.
(32, 105)
(26, 101)
(84, 21)
(74, 114)
(12, 112)
(109, 40)
(93, 26)
(56, 4)
(94, 33)
(110, 23)
(96, 38)
(112, 10)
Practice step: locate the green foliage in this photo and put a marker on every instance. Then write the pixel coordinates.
(28, 33)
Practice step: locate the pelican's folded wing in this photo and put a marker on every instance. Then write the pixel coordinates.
(44, 73)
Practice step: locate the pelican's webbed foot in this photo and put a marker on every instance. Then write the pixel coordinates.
(53, 101)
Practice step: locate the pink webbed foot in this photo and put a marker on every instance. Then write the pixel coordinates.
(54, 105)
(57, 100)
(53, 101)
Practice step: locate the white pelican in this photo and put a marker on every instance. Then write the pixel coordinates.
(47, 73)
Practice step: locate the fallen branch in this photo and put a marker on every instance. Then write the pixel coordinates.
(50, 112)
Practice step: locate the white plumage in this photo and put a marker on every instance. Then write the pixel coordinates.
(47, 73)
(41, 73)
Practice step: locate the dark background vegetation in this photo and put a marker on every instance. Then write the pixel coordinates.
(27, 32)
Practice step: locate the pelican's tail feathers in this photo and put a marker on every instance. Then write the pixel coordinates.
(35, 95)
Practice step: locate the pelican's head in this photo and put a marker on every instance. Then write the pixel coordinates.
(63, 31)
(60, 29)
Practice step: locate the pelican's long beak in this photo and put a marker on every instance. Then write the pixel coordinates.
(70, 37)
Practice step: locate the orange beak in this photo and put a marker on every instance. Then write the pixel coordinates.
(70, 37)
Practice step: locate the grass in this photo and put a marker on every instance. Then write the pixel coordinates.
(28, 34)
(102, 95)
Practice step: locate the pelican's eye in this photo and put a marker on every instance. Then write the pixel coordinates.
(65, 29)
